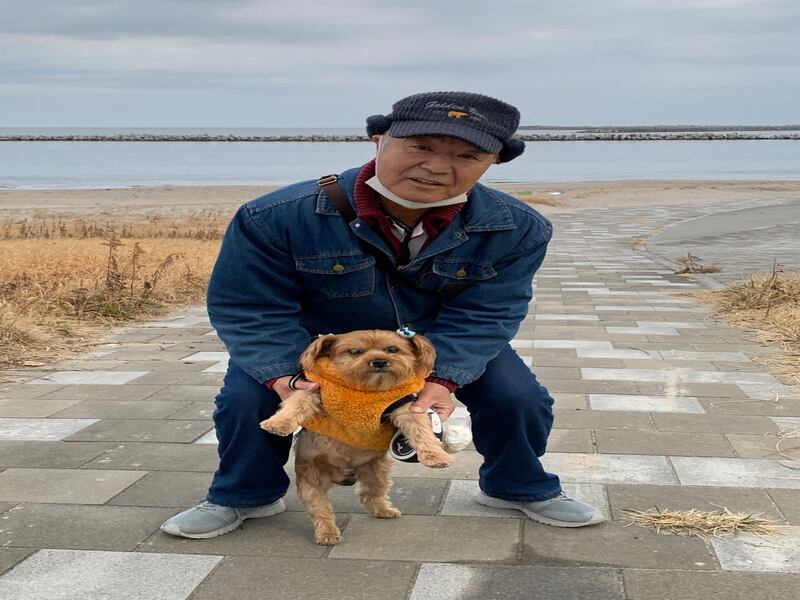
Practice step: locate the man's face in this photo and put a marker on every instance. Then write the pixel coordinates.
(429, 168)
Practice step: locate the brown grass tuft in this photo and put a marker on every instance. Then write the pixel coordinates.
(693, 264)
(64, 283)
(769, 304)
(703, 523)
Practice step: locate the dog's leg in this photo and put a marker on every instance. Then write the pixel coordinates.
(373, 485)
(417, 429)
(292, 412)
(312, 488)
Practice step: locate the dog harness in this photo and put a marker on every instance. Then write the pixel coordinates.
(354, 416)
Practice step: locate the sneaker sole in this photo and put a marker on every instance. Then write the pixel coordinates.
(174, 530)
(508, 504)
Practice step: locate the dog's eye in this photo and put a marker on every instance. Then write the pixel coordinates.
(355, 351)
(392, 349)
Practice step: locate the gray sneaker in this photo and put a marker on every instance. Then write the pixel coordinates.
(560, 511)
(209, 520)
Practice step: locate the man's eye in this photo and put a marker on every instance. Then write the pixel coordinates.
(392, 349)
(470, 157)
(355, 351)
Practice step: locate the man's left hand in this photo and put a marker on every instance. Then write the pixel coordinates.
(434, 396)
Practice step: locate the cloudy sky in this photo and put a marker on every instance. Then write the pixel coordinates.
(291, 63)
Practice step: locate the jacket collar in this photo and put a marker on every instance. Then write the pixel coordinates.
(485, 211)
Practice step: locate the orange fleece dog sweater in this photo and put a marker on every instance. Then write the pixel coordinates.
(354, 416)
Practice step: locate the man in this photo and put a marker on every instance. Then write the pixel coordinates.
(430, 249)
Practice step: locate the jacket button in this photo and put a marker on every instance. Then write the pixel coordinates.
(338, 268)
(461, 273)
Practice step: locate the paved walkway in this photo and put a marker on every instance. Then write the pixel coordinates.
(656, 403)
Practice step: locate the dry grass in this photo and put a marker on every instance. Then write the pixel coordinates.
(769, 304)
(528, 197)
(63, 283)
(694, 264)
(703, 523)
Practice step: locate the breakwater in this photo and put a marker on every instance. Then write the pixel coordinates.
(546, 137)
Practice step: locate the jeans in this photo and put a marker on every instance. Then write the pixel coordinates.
(511, 420)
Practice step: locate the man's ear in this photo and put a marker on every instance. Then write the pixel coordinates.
(425, 353)
(319, 347)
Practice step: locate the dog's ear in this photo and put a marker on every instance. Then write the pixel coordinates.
(319, 347)
(425, 353)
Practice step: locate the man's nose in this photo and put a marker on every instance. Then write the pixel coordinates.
(379, 363)
(437, 164)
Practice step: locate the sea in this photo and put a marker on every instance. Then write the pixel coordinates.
(69, 164)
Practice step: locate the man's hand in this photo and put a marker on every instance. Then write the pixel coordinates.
(434, 396)
(281, 386)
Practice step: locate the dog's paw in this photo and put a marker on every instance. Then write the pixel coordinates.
(386, 512)
(437, 459)
(328, 538)
(278, 426)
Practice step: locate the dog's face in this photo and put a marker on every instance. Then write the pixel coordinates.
(373, 359)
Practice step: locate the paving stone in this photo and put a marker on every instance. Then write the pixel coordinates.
(645, 403)
(514, 582)
(154, 457)
(190, 379)
(570, 440)
(187, 393)
(466, 467)
(460, 500)
(210, 437)
(63, 486)
(589, 419)
(665, 585)
(765, 446)
(49, 455)
(783, 406)
(788, 502)
(581, 386)
(88, 377)
(644, 497)
(105, 392)
(662, 443)
(547, 360)
(713, 423)
(778, 554)
(289, 579)
(610, 468)
(165, 488)
(130, 430)
(571, 401)
(286, 535)
(736, 472)
(44, 430)
(30, 407)
(121, 409)
(439, 539)
(411, 496)
(51, 575)
(11, 556)
(697, 390)
(79, 527)
(159, 366)
(611, 544)
(195, 411)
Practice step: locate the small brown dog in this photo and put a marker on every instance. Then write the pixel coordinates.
(346, 435)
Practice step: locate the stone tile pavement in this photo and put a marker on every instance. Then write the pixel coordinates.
(657, 404)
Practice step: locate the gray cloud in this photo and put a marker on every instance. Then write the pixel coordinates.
(270, 63)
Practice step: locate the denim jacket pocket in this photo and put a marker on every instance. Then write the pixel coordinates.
(338, 276)
(455, 276)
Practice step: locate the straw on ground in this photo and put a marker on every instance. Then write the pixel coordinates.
(703, 523)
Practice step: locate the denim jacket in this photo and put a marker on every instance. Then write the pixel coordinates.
(291, 268)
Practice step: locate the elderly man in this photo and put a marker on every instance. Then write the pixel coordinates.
(425, 246)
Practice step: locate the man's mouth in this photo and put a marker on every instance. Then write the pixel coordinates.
(423, 181)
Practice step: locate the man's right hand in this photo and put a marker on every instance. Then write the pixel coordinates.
(281, 386)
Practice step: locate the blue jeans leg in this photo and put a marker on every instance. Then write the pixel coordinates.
(251, 460)
(511, 419)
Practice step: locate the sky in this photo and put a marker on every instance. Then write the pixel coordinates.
(332, 63)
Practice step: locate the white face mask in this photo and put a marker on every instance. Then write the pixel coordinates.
(376, 185)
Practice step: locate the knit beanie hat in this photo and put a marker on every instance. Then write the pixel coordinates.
(482, 121)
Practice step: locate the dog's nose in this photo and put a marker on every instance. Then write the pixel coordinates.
(379, 363)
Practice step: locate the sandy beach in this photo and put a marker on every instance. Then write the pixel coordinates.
(174, 202)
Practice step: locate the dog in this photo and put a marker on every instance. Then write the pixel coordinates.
(348, 423)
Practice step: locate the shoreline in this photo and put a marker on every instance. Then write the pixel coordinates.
(134, 203)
